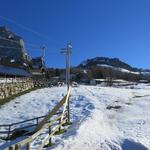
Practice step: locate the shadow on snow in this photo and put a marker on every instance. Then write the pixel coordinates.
(132, 145)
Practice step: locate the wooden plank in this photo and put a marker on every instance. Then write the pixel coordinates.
(65, 106)
(27, 140)
(22, 142)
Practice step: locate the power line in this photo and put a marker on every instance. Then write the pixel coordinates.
(22, 26)
(27, 44)
(15, 41)
(28, 29)
(50, 50)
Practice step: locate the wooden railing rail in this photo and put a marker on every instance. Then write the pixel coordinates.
(10, 128)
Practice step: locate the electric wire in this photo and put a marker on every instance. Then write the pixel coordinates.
(15, 41)
(28, 29)
(49, 50)
(27, 44)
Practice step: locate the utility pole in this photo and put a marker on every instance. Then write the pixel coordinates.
(67, 52)
(43, 52)
(43, 58)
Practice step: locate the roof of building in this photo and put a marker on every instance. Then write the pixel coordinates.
(14, 71)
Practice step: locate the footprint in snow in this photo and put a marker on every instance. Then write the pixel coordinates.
(90, 107)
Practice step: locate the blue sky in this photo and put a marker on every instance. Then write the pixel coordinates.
(113, 28)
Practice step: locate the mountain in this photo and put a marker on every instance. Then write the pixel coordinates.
(106, 62)
(105, 67)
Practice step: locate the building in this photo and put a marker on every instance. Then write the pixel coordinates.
(38, 66)
(37, 63)
(14, 55)
(97, 81)
(12, 49)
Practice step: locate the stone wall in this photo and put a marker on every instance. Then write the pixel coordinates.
(7, 89)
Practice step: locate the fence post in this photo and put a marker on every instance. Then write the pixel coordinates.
(60, 124)
(28, 146)
(11, 148)
(17, 147)
(68, 112)
(50, 139)
(9, 130)
(66, 117)
(37, 121)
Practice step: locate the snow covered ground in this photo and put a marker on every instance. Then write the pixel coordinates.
(31, 105)
(118, 68)
(104, 118)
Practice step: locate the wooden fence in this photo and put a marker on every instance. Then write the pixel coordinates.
(53, 124)
(7, 130)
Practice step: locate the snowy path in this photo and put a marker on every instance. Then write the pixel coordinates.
(127, 128)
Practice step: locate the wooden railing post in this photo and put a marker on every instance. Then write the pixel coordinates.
(11, 148)
(17, 147)
(60, 125)
(9, 130)
(66, 117)
(68, 112)
(37, 121)
(28, 146)
(50, 139)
